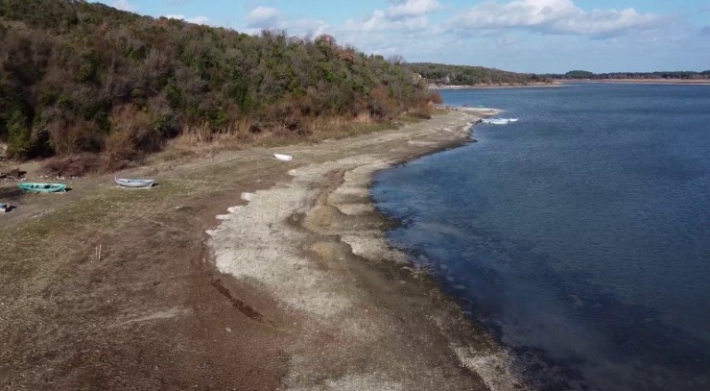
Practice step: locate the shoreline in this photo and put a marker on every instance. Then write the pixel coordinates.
(297, 289)
(323, 235)
(440, 87)
(679, 82)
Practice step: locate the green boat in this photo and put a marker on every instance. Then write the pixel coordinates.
(31, 187)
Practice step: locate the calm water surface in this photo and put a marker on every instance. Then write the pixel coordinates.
(580, 235)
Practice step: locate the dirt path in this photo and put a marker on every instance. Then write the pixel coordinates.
(112, 289)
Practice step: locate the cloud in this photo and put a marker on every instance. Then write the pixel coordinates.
(555, 17)
(263, 18)
(269, 18)
(380, 21)
(405, 15)
(410, 8)
(123, 5)
(196, 20)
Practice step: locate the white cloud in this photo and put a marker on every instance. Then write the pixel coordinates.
(269, 18)
(196, 20)
(380, 21)
(554, 17)
(409, 8)
(123, 5)
(407, 15)
(263, 18)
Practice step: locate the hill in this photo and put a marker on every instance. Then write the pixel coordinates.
(442, 74)
(79, 77)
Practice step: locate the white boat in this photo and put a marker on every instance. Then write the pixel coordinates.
(499, 121)
(513, 119)
(5, 207)
(137, 183)
(283, 158)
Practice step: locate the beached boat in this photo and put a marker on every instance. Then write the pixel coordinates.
(137, 183)
(5, 207)
(283, 158)
(32, 187)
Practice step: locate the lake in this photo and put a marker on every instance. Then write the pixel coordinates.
(579, 236)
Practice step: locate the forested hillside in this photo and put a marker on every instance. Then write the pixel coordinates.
(80, 77)
(443, 74)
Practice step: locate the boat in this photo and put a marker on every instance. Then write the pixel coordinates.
(283, 158)
(5, 207)
(32, 187)
(499, 121)
(136, 183)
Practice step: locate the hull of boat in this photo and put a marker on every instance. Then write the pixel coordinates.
(31, 187)
(134, 183)
(283, 158)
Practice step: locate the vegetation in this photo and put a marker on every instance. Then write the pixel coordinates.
(471, 75)
(79, 78)
(682, 75)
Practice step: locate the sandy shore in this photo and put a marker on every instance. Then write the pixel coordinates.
(296, 289)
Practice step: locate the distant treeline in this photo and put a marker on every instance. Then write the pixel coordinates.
(81, 77)
(443, 74)
(682, 75)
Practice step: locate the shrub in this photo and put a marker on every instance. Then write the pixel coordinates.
(81, 77)
(72, 166)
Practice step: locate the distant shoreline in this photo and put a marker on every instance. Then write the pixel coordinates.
(565, 82)
(698, 82)
(493, 86)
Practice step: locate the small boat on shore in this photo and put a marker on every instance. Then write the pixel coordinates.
(33, 187)
(5, 207)
(134, 183)
(283, 158)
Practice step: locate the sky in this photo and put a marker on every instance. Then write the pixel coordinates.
(541, 36)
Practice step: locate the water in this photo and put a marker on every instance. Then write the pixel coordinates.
(579, 236)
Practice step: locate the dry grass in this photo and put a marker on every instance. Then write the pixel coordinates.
(440, 110)
(73, 165)
(198, 141)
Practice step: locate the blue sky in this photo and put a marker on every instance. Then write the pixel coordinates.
(517, 35)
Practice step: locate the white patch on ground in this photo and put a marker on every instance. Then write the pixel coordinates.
(159, 315)
(352, 197)
(256, 244)
(373, 247)
(355, 383)
(493, 368)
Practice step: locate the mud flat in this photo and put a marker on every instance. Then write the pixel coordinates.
(359, 316)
